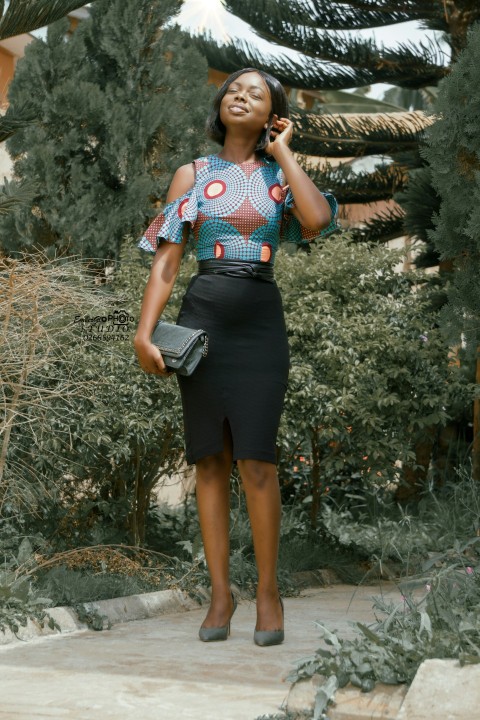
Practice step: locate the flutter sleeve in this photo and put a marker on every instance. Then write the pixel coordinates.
(168, 225)
(293, 231)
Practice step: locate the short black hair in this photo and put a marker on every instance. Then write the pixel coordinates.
(216, 129)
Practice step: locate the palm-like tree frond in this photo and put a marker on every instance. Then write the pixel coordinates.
(331, 15)
(335, 102)
(353, 135)
(421, 202)
(14, 120)
(382, 227)
(231, 57)
(408, 99)
(364, 64)
(23, 16)
(350, 187)
(409, 64)
(13, 194)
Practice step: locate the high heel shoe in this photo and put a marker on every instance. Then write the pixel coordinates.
(269, 637)
(212, 634)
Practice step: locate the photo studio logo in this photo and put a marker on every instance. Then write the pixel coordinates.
(112, 327)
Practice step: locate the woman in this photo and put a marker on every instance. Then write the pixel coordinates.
(238, 203)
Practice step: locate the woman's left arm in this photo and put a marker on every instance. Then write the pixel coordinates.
(311, 208)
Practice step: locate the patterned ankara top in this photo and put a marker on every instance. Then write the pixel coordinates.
(236, 211)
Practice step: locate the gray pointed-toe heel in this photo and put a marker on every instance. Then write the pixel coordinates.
(213, 634)
(269, 637)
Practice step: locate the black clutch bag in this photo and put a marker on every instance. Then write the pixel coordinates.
(181, 348)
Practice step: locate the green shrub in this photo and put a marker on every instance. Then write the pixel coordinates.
(437, 614)
(90, 432)
(385, 538)
(443, 621)
(370, 375)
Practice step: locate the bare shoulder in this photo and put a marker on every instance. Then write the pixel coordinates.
(182, 182)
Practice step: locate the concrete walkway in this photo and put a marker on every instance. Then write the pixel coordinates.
(157, 669)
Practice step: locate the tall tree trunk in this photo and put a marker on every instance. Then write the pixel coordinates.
(459, 21)
(476, 425)
(414, 477)
(136, 503)
(315, 479)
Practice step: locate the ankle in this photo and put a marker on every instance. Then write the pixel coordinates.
(221, 594)
(269, 592)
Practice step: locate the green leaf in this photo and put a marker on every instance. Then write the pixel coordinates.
(324, 695)
(369, 634)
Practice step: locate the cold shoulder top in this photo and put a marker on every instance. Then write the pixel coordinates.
(235, 211)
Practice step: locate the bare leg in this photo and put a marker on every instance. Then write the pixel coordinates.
(213, 501)
(262, 491)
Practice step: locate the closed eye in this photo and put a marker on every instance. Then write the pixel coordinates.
(234, 90)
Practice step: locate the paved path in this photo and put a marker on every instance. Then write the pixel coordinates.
(157, 669)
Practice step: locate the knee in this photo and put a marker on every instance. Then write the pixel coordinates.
(211, 468)
(257, 474)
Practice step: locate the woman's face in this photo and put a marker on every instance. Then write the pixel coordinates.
(246, 103)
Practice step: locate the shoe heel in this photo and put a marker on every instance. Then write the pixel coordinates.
(264, 638)
(214, 634)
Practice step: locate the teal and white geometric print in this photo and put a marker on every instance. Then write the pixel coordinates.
(236, 211)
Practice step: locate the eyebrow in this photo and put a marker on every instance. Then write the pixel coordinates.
(252, 87)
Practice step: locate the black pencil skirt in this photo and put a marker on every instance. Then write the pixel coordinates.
(244, 377)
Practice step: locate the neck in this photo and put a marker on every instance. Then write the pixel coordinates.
(238, 150)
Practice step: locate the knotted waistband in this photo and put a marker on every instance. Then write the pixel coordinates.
(237, 268)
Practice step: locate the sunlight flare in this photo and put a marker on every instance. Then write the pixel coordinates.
(203, 16)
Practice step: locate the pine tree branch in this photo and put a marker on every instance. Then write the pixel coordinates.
(353, 135)
(23, 16)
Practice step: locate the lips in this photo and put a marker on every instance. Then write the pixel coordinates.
(237, 108)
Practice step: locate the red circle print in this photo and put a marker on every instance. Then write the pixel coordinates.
(181, 207)
(266, 252)
(275, 192)
(219, 250)
(214, 189)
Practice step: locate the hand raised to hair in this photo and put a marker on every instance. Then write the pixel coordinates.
(280, 134)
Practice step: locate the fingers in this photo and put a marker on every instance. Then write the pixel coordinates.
(156, 370)
(156, 366)
(280, 125)
(151, 362)
(153, 369)
(161, 368)
(281, 121)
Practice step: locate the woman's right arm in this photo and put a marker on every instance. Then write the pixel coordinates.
(164, 271)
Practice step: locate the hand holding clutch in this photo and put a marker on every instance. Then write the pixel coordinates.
(181, 348)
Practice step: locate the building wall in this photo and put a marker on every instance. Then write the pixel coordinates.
(10, 51)
(7, 69)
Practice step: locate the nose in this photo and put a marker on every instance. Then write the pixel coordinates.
(240, 94)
